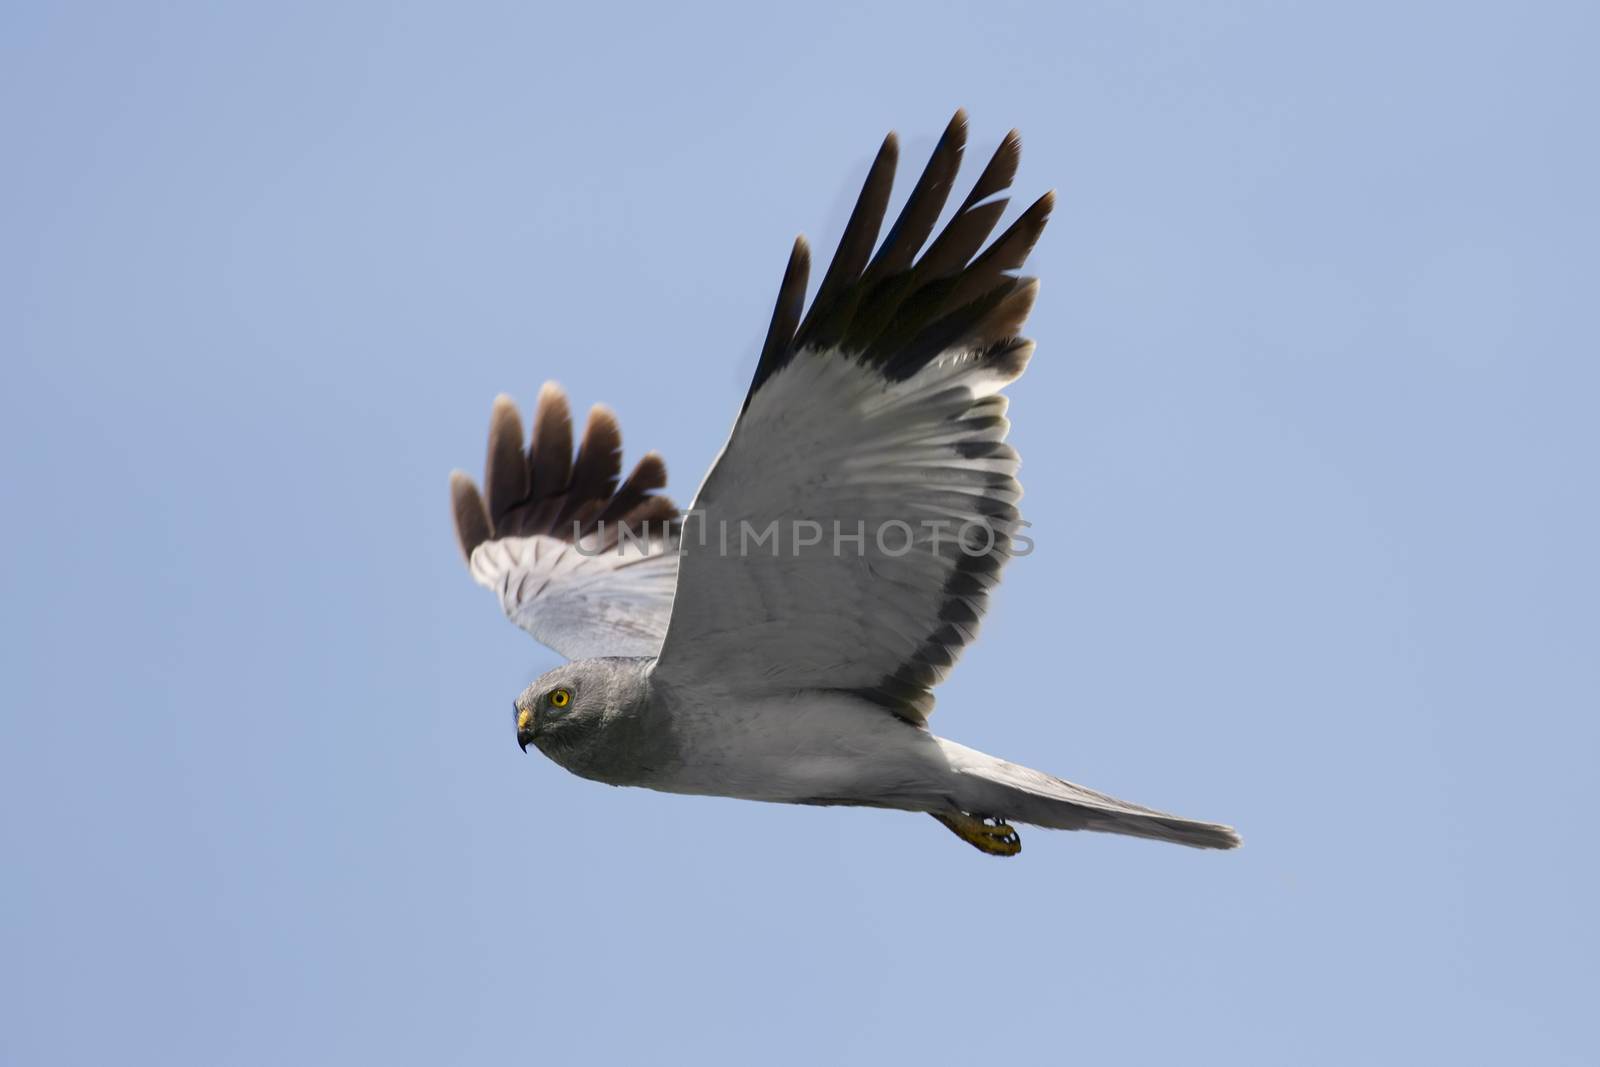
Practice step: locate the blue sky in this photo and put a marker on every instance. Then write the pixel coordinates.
(1309, 446)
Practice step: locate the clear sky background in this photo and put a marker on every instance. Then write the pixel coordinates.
(1309, 443)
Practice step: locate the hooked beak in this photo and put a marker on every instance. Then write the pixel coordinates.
(527, 726)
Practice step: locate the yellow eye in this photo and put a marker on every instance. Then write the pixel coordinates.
(560, 698)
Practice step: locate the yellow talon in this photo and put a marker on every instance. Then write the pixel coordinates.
(991, 836)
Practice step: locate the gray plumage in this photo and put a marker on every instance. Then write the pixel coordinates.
(625, 728)
(801, 675)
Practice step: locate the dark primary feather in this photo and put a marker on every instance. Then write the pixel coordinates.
(542, 489)
(787, 311)
(896, 311)
(921, 211)
(550, 454)
(840, 287)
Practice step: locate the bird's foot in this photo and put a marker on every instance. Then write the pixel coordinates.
(986, 834)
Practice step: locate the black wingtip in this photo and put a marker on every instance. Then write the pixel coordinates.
(786, 313)
(550, 453)
(855, 246)
(545, 489)
(505, 478)
(924, 204)
(896, 309)
(471, 516)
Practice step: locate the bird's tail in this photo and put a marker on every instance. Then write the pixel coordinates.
(986, 785)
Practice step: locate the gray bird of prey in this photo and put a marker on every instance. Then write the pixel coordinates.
(781, 640)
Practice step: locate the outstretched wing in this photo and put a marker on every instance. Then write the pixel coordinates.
(584, 565)
(873, 440)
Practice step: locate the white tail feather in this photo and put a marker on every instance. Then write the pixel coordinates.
(986, 785)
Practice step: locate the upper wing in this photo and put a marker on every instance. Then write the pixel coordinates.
(874, 415)
(584, 566)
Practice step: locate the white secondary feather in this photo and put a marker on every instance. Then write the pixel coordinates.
(578, 599)
(887, 474)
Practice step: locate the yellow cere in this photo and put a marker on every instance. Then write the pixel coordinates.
(560, 698)
(523, 718)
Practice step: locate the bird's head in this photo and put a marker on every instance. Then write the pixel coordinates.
(592, 717)
(561, 709)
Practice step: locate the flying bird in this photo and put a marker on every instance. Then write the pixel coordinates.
(782, 639)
